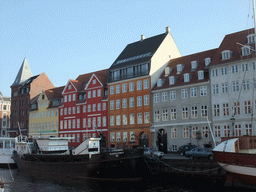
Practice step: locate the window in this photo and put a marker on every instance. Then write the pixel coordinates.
(193, 92)
(145, 84)
(104, 106)
(69, 124)
(194, 112)
(224, 71)
(69, 110)
(131, 86)
(124, 103)
(235, 86)
(124, 88)
(139, 101)
(215, 72)
(179, 68)
(84, 122)
(234, 69)
(118, 120)
(89, 94)
(84, 109)
(78, 109)
(65, 98)
(245, 67)
(225, 109)
(61, 113)
(186, 77)
(172, 95)
(61, 124)
(246, 50)
(139, 85)
(139, 118)
(236, 108)
(74, 123)
(194, 132)
(226, 54)
(69, 97)
(247, 107)
(164, 96)
(112, 105)
(156, 116)
(74, 110)
(112, 120)
(248, 129)
(215, 89)
(238, 130)
(111, 90)
(132, 121)
(224, 88)
(104, 121)
(89, 108)
(146, 117)
(171, 80)
(156, 98)
(146, 100)
(124, 119)
(185, 132)
(118, 104)
(132, 136)
(117, 89)
(203, 91)
(226, 131)
(216, 110)
(125, 138)
(184, 93)
(131, 101)
(99, 92)
(200, 75)
(217, 131)
(174, 133)
(112, 136)
(173, 114)
(184, 113)
(99, 106)
(164, 115)
(93, 107)
(205, 131)
(250, 38)
(246, 86)
(94, 81)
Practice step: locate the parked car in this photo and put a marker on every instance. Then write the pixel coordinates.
(199, 152)
(185, 148)
(150, 152)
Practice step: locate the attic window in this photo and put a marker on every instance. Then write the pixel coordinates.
(226, 54)
(69, 87)
(246, 50)
(171, 80)
(193, 65)
(94, 82)
(250, 38)
(179, 68)
(200, 75)
(186, 77)
(42, 97)
(159, 82)
(207, 61)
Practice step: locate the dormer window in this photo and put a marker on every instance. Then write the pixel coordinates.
(171, 80)
(246, 50)
(207, 61)
(193, 65)
(226, 54)
(167, 71)
(159, 82)
(250, 38)
(186, 77)
(200, 75)
(179, 68)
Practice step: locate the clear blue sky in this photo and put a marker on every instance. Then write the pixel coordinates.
(66, 38)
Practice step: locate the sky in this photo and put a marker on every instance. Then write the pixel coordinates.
(67, 38)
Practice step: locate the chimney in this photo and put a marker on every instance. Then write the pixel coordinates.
(142, 37)
(168, 30)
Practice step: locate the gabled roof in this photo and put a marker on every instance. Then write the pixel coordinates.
(230, 42)
(23, 74)
(186, 62)
(138, 52)
(54, 93)
(4, 98)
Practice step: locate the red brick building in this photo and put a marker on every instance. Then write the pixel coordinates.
(24, 88)
(84, 110)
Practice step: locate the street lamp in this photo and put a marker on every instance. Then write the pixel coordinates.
(190, 128)
(232, 118)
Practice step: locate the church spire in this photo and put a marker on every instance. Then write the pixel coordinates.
(23, 74)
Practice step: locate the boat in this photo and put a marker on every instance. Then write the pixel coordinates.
(6, 149)
(51, 158)
(238, 157)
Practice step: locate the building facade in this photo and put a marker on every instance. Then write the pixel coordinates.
(5, 112)
(233, 83)
(24, 88)
(84, 110)
(130, 79)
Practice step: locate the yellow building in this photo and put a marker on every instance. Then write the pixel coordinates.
(44, 113)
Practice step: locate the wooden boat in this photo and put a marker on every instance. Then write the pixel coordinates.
(87, 161)
(238, 157)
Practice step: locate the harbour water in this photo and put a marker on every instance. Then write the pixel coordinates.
(23, 183)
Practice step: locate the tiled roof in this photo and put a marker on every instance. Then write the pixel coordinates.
(54, 93)
(186, 62)
(138, 52)
(230, 42)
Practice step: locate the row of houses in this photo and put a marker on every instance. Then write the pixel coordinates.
(150, 96)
